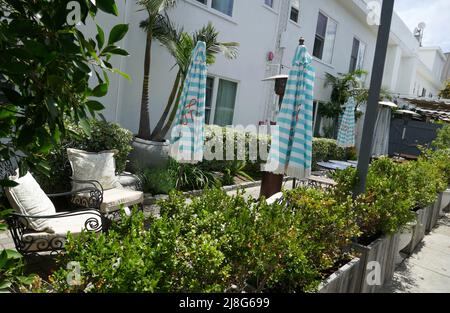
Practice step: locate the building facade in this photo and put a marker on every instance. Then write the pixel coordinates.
(337, 33)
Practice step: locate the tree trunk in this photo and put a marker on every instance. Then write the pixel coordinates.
(144, 123)
(174, 111)
(156, 134)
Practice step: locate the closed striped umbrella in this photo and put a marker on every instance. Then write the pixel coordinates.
(291, 149)
(188, 132)
(346, 133)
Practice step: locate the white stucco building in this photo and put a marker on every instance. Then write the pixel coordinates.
(336, 32)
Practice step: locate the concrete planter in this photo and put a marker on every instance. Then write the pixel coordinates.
(381, 253)
(147, 154)
(344, 280)
(418, 230)
(433, 215)
(405, 239)
(445, 201)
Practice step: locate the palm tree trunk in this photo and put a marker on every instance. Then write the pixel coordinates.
(144, 123)
(174, 111)
(156, 134)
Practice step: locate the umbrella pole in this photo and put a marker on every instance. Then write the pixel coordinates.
(271, 184)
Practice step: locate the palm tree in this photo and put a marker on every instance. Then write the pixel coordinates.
(180, 45)
(152, 26)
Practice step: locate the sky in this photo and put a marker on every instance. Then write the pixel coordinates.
(436, 15)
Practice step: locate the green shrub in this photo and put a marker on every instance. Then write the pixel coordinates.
(326, 149)
(386, 205)
(442, 140)
(103, 136)
(216, 243)
(426, 180)
(158, 181)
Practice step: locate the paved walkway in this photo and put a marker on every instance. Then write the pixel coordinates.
(428, 269)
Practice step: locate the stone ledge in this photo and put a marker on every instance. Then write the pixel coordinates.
(149, 199)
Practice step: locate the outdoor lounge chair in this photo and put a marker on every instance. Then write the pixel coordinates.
(35, 226)
(98, 169)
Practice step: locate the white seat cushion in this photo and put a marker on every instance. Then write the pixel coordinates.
(75, 224)
(28, 198)
(114, 198)
(93, 166)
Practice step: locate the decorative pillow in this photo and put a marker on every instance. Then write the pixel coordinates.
(93, 166)
(28, 198)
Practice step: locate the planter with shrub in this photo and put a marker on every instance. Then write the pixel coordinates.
(217, 243)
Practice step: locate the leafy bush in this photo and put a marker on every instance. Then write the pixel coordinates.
(426, 180)
(216, 243)
(386, 205)
(442, 140)
(326, 149)
(102, 136)
(158, 181)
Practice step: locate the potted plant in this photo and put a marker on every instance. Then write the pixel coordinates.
(151, 149)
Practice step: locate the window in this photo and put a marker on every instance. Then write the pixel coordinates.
(295, 10)
(226, 100)
(424, 92)
(325, 37)
(209, 97)
(224, 6)
(203, 2)
(269, 3)
(357, 56)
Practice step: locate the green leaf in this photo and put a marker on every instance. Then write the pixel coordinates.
(100, 37)
(7, 183)
(124, 75)
(108, 6)
(26, 280)
(82, 66)
(85, 126)
(8, 110)
(6, 284)
(119, 51)
(117, 33)
(13, 254)
(94, 105)
(100, 91)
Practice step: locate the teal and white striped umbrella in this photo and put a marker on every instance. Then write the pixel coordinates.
(188, 131)
(291, 150)
(346, 133)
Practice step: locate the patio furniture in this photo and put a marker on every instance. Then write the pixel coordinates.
(332, 166)
(99, 169)
(35, 226)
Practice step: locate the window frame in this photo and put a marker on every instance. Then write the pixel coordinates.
(324, 38)
(291, 8)
(208, 7)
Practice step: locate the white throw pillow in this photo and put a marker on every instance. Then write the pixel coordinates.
(93, 166)
(28, 198)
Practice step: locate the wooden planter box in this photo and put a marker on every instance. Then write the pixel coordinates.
(383, 251)
(344, 280)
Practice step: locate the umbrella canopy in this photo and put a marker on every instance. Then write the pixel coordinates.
(188, 133)
(346, 133)
(291, 148)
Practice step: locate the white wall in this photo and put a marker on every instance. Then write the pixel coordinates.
(255, 27)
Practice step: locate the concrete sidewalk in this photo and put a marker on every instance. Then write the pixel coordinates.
(428, 269)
